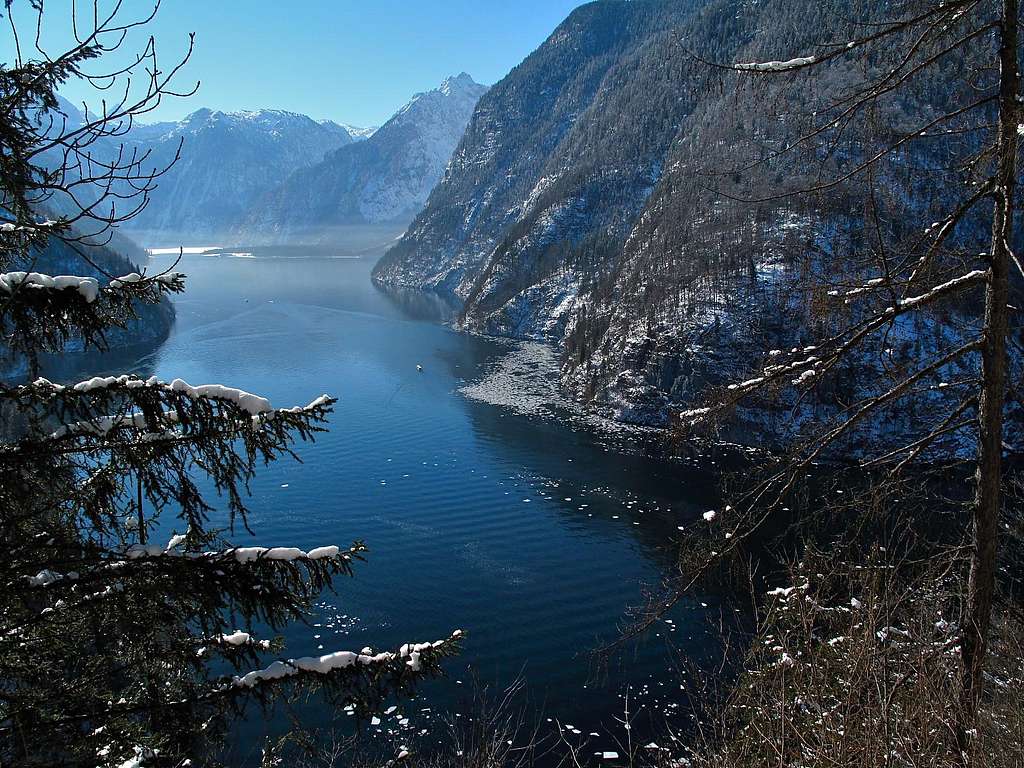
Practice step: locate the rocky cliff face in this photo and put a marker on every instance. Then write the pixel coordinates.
(591, 204)
(385, 178)
(552, 157)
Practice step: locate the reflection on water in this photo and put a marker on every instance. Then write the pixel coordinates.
(532, 532)
(427, 306)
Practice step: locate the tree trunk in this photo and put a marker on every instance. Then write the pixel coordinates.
(988, 498)
(142, 515)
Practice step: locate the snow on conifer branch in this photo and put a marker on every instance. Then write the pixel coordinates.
(158, 434)
(42, 313)
(87, 287)
(416, 657)
(99, 626)
(155, 407)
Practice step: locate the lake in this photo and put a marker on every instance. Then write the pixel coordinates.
(488, 503)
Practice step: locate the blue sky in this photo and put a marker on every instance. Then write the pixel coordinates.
(355, 62)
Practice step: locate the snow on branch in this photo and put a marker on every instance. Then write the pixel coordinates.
(809, 369)
(242, 555)
(938, 290)
(87, 287)
(411, 654)
(9, 226)
(910, 302)
(111, 576)
(43, 313)
(246, 554)
(944, 12)
(778, 66)
(254, 405)
(173, 280)
(239, 638)
(155, 421)
(234, 640)
(870, 285)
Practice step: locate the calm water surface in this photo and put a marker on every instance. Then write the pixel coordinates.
(487, 503)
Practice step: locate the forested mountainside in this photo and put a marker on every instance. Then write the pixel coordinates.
(529, 173)
(385, 178)
(591, 202)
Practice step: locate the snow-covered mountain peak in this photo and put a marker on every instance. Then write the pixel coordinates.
(459, 90)
(359, 134)
(256, 118)
(227, 159)
(460, 82)
(385, 178)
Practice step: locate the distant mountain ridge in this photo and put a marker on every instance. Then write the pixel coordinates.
(272, 175)
(388, 177)
(227, 160)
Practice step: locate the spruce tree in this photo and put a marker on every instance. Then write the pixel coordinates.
(119, 646)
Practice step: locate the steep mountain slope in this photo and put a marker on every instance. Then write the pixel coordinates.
(385, 178)
(706, 282)
(553, 155)
(227, 160)
(585, 204)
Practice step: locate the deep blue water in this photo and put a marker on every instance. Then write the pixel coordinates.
(487, 504)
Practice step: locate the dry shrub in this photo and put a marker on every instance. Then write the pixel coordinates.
(857, 663)
(494, 731)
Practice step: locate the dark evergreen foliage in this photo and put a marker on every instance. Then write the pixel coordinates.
(119, 648)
